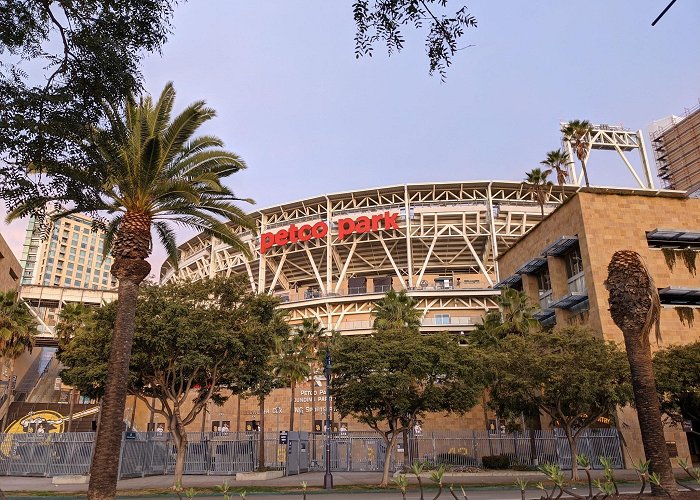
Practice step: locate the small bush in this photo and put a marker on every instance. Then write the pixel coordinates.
(496, 461)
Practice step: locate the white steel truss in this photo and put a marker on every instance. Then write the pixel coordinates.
(443, 251)
(613, 138)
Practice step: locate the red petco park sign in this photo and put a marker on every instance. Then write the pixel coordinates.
(346, 227)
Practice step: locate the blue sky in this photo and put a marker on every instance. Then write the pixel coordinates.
(309, 118)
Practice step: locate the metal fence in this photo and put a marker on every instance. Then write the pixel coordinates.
(144, 454)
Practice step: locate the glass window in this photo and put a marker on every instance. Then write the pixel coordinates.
(86, 231)
(544, 281)
(76, 228)
(77, 283)
(72, 251)
(80, 268)
(68, 281)
(81, 260)
(70, 265)
(574, 264)
(442, 319)
(78, 274)
(82, 253)
(85, 239)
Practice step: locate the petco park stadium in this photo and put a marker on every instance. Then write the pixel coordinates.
(330, 257)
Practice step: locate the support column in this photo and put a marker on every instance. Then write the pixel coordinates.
(409, 250)
(492, 230)
(262, 261)
(645, 160)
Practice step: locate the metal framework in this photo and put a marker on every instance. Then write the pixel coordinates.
(614, 138)
(443, 252)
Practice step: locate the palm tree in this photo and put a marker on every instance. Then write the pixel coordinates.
(558, 161)
(578, 133)
(396, 311)
(311, 334)
(635, 308)
(157, 173)
(539, 185)
(17, 331)
(293, 366)
(71, 319)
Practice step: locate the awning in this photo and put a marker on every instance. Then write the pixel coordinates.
(672, 238)
(509, 281)
(531, 266)
(543, 314)
(680, 296)
(560, 246)
(568, 301)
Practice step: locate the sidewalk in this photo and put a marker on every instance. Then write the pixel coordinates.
(313, 479)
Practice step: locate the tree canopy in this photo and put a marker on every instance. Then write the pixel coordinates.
(677, 372)
(570, 375)
(192, 344)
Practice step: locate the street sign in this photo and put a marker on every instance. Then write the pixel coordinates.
(283, 437)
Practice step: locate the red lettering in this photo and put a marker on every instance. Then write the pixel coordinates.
(390, 221)
(319, 230)
(266, 241)
(305, 233)
(293, 233)
(375, 221)
(281, 237)
(345, 228)
(362, 225)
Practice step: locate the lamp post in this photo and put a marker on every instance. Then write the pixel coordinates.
(328, 477)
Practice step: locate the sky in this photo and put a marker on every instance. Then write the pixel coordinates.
(309, 118)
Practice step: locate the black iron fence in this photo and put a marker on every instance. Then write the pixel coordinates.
(153, 453)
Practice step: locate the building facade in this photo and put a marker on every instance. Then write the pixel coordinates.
(562, 266)
(676, 144)
(10, 268)
(66, 253)
(331, 257)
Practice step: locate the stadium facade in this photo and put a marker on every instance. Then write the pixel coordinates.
(331, 257)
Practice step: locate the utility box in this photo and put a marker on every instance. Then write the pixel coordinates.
(297, 453)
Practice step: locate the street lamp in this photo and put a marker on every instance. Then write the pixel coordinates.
(328, 477)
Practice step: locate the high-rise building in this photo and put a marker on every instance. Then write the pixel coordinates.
(66, 253)
(676, 144)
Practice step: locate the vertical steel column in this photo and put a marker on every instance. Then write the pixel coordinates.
(212, 258)
(492, 230)
(645, 160)
(409, 251)
(262, 261)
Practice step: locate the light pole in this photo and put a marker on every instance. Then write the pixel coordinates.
(328, 477)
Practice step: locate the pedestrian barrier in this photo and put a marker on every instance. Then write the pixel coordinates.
(216, 453)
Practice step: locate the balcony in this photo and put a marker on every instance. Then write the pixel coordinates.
(441, 321)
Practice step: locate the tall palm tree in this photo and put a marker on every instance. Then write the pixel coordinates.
(158, 173)
(71, 319)
(17, 334)
(396, 311)
(635, 308)
(312, 333)
(539, 185)
(578, 133)
(558, 161)
(293, 366)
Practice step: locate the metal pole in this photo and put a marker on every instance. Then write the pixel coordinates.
(328, 477)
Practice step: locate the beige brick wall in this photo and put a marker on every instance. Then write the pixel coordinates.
(605, 223)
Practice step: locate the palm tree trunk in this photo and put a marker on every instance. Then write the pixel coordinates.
(291, 405)
(649, 412)
(585, 171)
(105, 462)
(313, 417)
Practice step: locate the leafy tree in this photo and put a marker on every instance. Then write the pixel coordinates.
(578, 133)
(678, 382)
(61, 61)
(570, 375)
(389, 380)
(396, 311)
(157, 173)
(558, 162)
(539, 185)
(636, 310)
(192, 345)
(383, 20)
(17, 334)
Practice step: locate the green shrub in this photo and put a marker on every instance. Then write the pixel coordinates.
(496, 461)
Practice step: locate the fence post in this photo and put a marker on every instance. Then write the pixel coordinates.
(121, 457)
(432, 435)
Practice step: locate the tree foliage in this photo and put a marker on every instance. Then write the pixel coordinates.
(677, 372)
(193, 344)
(390, 380)
(514, 317)
(18, 327)
(385, 20)
(396, 311)
(61, 60)
(570, 375)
